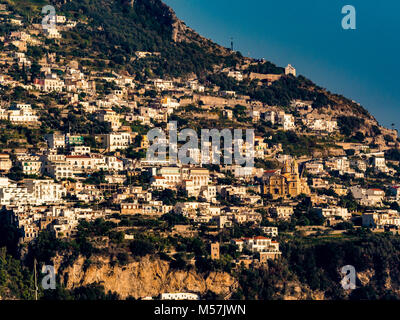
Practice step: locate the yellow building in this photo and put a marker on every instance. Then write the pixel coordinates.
(144, 144)
(285, 183)
(110, 116)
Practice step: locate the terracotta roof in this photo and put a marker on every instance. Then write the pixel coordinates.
(261, 238)
(78, 157)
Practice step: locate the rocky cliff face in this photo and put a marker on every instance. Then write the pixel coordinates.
(293, 290)
(147, 277)
(182, 33)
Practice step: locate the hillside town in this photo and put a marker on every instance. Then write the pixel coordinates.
(74, 141)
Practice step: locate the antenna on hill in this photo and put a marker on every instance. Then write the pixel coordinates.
(231, 43)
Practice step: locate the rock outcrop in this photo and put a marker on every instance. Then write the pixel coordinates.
(144, 278)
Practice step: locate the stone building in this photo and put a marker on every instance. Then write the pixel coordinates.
(215, 251)
(285, 183)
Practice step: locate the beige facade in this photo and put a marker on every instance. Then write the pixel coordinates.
(286, 184)
(5, 162)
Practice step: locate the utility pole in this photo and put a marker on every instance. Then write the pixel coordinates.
(36, 287)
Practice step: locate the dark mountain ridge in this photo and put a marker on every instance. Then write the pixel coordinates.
(111, 31)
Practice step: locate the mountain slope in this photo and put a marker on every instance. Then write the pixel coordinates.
(116, 30)
(111, 31)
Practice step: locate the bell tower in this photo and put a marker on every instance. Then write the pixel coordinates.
(286, 167)
(295, 168)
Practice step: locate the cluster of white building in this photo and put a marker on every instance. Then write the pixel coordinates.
(31, 192)
(19, 114)
(321, 125)
(281, 118)
(267, 248)
(59, 219)
(381, 218)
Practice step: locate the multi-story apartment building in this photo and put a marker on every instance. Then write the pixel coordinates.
(116, 141)
(5, 162)
(50, 83)
(60, 170)
(55, 140)
(282, 212)
(80, 164)
(45, 191)
(333, 212)
(110, 116)
(22, 113)
(262, 245)
(314, 168)
(174, 176)
(381, 218)
(368, 197)
(31, 165)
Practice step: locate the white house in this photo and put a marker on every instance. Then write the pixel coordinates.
(333, 212)
(22, 113)
(180, 296)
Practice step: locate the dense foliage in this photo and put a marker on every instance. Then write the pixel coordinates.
(316, 265)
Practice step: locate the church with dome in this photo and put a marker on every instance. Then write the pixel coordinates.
(286, 182)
